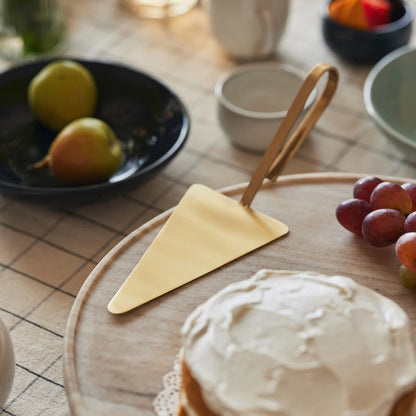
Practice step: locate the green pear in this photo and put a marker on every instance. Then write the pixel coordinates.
(85, 152)
(63, 91)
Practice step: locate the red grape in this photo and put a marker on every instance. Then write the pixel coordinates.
(410, 223)
(351, 213)
(383, 227)
(406, 250)
(410, 188)
(391, 195)
(364, 187)
(407, 277)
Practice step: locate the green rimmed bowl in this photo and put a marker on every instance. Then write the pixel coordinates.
(390, 96)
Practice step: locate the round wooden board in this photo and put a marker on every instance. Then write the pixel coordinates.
(113, 364)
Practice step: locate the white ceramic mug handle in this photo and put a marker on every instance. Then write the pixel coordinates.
(7, 364)
(266, 27)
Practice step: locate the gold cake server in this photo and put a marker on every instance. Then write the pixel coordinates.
(208, 229)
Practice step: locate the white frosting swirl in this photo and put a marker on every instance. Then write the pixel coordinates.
(299, 344)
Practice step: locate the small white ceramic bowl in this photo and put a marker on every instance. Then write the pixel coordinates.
(7, 364)
(253, 99)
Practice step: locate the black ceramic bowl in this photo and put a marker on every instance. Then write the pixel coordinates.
(368, 47)
(150, 121)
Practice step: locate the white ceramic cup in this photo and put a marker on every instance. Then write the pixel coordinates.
(248, 28)
(7, 364)
(253, 99)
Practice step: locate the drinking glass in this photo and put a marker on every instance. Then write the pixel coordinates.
(159, 9)
(31, 28)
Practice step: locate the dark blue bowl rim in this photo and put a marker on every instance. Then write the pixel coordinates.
(392, 27)
(76, 192)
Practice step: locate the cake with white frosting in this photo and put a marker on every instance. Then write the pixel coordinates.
(297, 344)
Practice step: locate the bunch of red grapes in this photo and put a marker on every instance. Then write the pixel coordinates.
(384, 213)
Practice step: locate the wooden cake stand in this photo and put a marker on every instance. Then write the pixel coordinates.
(113, 364)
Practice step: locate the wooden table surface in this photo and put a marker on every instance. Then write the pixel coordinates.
(46, 253)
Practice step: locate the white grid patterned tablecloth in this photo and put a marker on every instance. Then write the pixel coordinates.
(47, 252)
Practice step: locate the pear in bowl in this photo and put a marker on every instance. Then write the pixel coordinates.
(63, 91)
(85, 152)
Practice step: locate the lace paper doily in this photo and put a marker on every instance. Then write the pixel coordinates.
(166, 401)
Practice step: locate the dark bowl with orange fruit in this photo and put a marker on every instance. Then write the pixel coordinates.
(366, 30)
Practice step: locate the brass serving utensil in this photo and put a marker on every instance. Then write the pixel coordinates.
(208, 229)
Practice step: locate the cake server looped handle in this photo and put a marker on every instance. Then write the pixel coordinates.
(276, 157)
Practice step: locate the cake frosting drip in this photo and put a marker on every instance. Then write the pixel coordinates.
(299, 344)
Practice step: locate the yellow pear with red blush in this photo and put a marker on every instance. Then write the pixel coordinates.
(85, 152)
